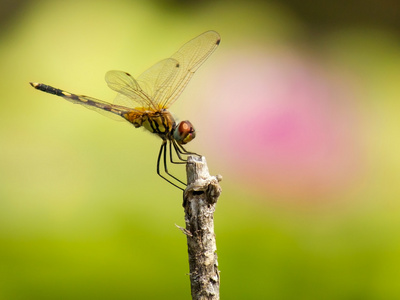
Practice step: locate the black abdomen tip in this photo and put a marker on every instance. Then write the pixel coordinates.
(46, 88)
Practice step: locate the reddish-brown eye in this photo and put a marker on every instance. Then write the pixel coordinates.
(184, 132)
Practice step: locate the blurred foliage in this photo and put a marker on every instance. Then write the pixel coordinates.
(83, 213)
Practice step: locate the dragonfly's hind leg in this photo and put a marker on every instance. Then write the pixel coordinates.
(163, 155)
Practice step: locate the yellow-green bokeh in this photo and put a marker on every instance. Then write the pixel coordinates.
(83, 214)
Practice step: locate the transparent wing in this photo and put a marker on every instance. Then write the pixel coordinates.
(141, 93)
(158, 79)
(190, 57)
(130, 94)
(160, 85)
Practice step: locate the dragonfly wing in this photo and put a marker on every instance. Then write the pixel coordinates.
(130, 93)
(190, 57)
(157, 80)
(160, 85)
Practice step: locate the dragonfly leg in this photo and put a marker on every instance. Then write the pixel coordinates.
(182, 160)
(166, 167)
(163, 155)
(184, 151)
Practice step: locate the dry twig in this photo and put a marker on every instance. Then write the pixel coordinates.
(199, 202)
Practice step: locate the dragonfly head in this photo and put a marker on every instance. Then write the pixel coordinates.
(184, 132)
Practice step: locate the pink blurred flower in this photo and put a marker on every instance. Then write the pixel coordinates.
(283, 125)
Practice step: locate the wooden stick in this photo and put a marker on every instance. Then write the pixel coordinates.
(199, 202)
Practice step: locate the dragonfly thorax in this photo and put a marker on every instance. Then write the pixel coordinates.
(184, 132)
(158, 122)
(163, 124)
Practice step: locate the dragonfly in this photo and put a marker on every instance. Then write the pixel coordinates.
(144, 102)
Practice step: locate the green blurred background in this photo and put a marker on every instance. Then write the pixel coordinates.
(298, 109)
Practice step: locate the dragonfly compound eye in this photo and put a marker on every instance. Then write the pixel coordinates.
(184, 132)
